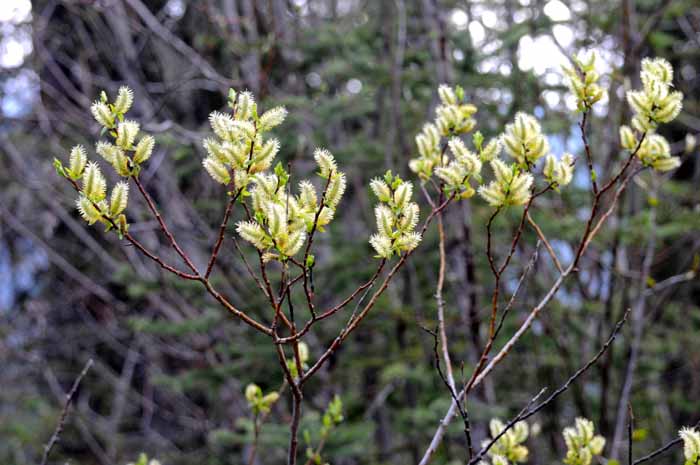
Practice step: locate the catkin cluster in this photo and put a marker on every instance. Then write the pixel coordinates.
(396, 215)
(239, 150)
(124, 154)
(459, 169)
(509, 447)
(653, 104)
(281, 221)
(582, 80)
(452, 117)
(581, 443)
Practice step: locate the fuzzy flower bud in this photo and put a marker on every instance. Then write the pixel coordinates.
(125, 98)
(336, 189)
(691, 445)
(511, 186)
(217, 170)
(524, 141)
(253, 233)
(246, 106)
(325, 161)
(87, 210)
(102, 114)
(144, 149)
(126, 134)
(94, 183)
(380, 189)
(77, 162)
(627, 138)
(272, 118)
(119, 199)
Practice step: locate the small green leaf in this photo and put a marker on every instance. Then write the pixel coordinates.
(478, 140)
(60, 170)
(282, 174)
(459, 91)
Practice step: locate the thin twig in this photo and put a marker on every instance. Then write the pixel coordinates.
(630, 426)
(529, 410)
(464, 413)
(222, 230)
(163, 226)
(64, 413)
(546, 243)
(662, 449)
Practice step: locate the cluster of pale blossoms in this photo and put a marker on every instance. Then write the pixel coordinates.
(655, 103)
(124, 154)
(509, 448)
(258, 402)
(582, 443)
(459, 167)
(582, 80)
(396, 215)
(242, 158)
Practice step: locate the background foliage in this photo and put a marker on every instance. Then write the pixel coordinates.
(357, 77)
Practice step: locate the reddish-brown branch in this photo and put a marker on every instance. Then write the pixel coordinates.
(355, 320)
(214, 293)
(163, 226)
(332, 311)
(64, 413)
(589, 158)
(222, 230)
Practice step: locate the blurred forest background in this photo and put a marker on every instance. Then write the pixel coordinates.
(358, 77)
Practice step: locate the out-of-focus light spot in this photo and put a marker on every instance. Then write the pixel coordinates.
(557, 11)
(459, 18)
(601, 106)
(489, 19)
(477, 32)
(354, 86)
(620, 92)
(13, 51)
(488, 65)
(553, 78)
(491, 47)
(520, 16)
(688, 72)
(313, 79)
(505, 69)
(552, 98)
(539, 112)
(15, 11)
(457, 54)
(539, 54)
(578, 6)
(20, 94)
(175, 8)
(570, 101)
(563, 34)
